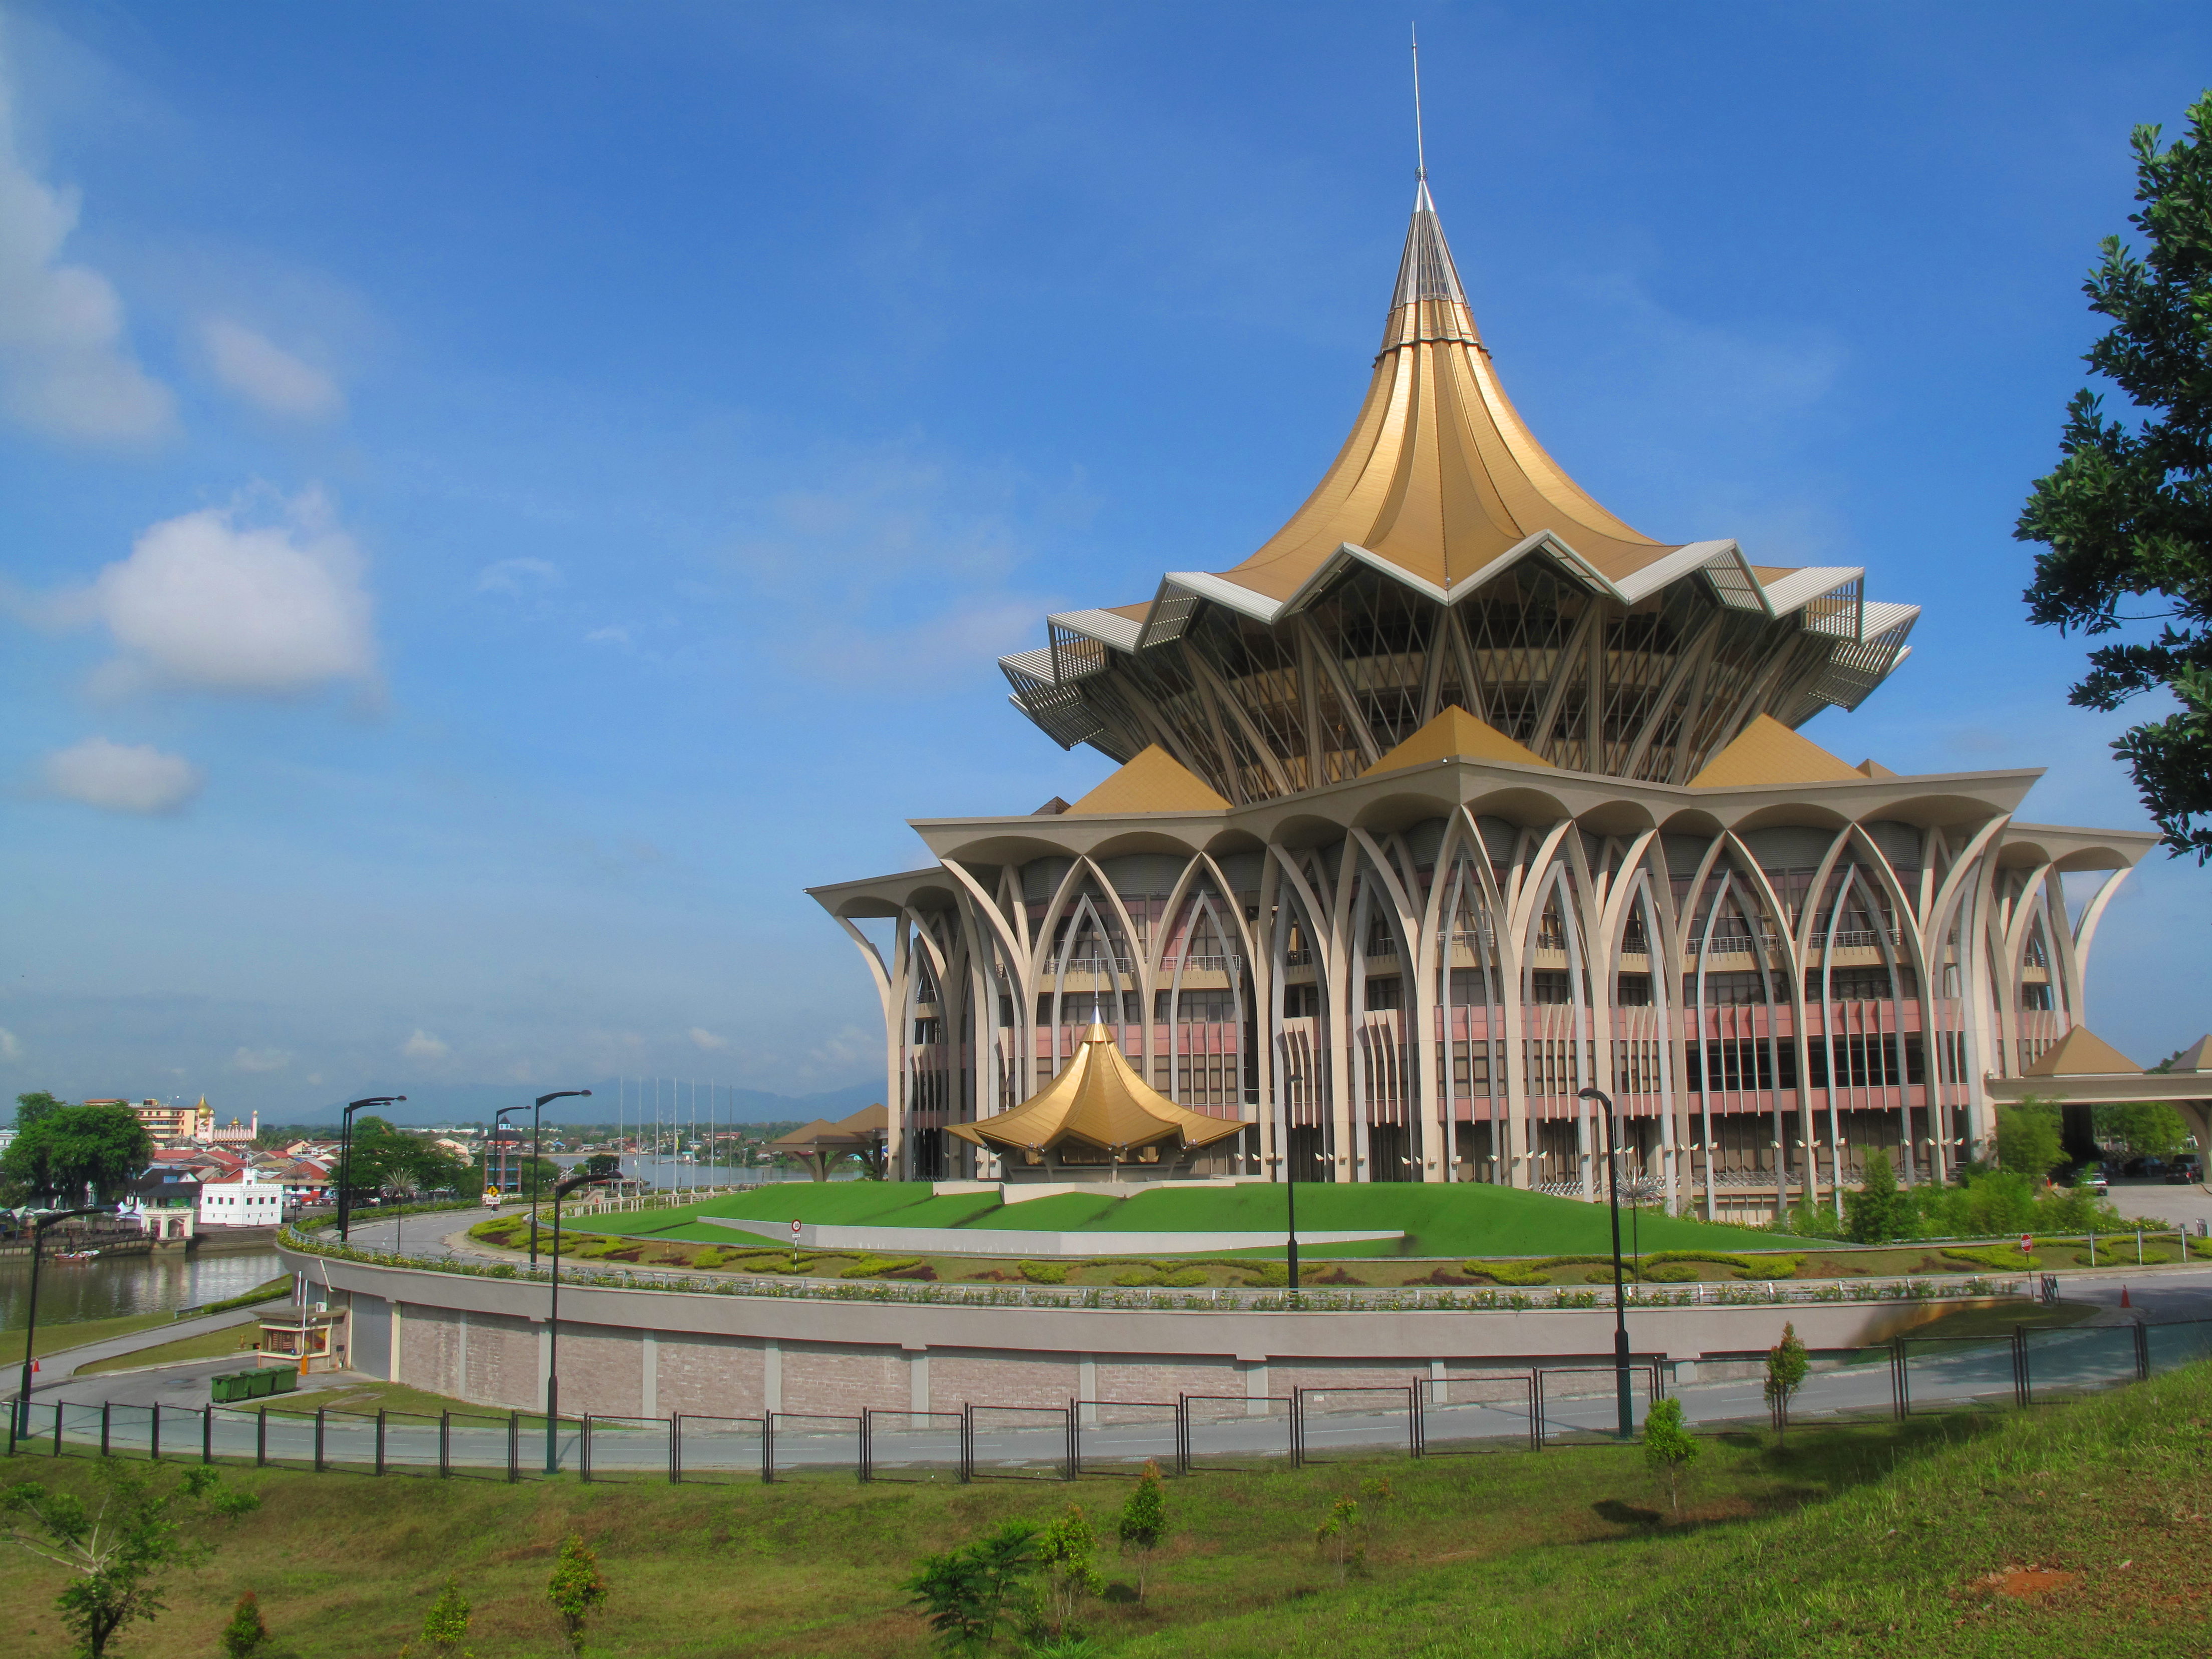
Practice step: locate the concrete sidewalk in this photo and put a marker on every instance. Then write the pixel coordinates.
(60, 1366)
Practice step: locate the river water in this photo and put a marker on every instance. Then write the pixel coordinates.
(108, 1287)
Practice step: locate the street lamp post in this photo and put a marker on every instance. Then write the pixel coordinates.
(345, 1156)
(553, 1325)
(535, 1113)
(1627, 1412)
(1290, 1209)
(39, 1225)
(498, 1122)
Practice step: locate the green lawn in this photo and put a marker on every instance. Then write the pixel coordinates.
(54, 1337)
(1439, 1220)
(1855, 1542)
(208, 1345)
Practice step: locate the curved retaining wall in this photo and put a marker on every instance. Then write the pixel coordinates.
(650, 1353)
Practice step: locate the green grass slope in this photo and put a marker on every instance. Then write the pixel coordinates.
(1873, 1541)
(1462, 1219)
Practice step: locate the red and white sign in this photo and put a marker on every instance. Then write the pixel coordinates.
(794, 1232)
(2027, 1245)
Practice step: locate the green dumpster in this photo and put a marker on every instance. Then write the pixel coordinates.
(285, 1380)
(230, 1388)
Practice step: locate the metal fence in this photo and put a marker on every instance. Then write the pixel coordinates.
(1428, 1415)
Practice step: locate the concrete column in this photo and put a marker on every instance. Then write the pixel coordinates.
(399, 1323)
(1255, 1367)
(917, 1377)
(772, 1375)
(649, 1368)
(1086, 1382)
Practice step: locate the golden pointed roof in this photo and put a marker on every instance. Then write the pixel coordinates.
(2080, 1052)
(1440, 475)
(1154, 781)
(2197, 1057)
(1768, 752)
(1097, 1099)
(1455, 734)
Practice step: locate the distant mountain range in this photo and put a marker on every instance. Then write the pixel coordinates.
(475, 1103)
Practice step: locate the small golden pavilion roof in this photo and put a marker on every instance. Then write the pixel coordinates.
(1099, 1101)
(2080, 1052)
(869, 1123)
(1766, 753)
(1455, 734)
(1152, 781)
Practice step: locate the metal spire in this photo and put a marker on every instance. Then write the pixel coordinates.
(1420, 148)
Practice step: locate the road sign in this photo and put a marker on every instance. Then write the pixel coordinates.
(794, 1232)
(2027, 1245)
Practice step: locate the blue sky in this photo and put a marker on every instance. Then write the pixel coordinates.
(497, 498)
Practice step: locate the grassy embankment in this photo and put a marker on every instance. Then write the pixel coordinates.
(1470, 1235)
(1881, 1540)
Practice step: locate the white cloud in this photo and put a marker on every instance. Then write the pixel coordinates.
(266, 375)
(121, 777)
(518, 576)
(707, 1040)
(423, 1046)
(611, 635)
(65, 367)
(210, 601)
(10, 1047)
(259, 1060)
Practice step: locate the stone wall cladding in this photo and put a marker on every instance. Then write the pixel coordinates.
(709, 1376)
(960, 1377)
(602, 1371)
(502, 1362)
(429, 1352)
(842, 1378)
(1148, 1376)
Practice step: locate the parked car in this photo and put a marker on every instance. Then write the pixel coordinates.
(2091, 1176)
(2183, 1172)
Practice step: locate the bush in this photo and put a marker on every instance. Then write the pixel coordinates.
(1135, 1276)
(1672, 1273)
(875, 1266)
(1183, 1278)
(1045, 1273)
(1996, 1255)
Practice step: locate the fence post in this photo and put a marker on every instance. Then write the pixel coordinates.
(768, 1447)
(103, 1428)
(207, 1434)
(675, 1448)
(1412, 1422)
(584, 1451)
(1900, 1374)
(2021, 1396)
(514, 1447)
(1074, 1448)
(57, 1428)
(154, 1434)
(2143, 1352)
(380, 1440)
(1183, 1434)
(967, 1442)
(445, 1444)
(261, 1438)
(318, 1438)
(1536, 1400)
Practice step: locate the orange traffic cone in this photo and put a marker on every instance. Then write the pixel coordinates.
(2124, 1302)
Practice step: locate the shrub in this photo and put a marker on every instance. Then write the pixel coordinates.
(1142, 1526)
(1997, 1256)
(875, 1266)
(1787, 1364)
(1045, 1273)
(1183, 1278)
(1133, 1276)
(576, 1591)
(1672, 1273)
(965, 1591)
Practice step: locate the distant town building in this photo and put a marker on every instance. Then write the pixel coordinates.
(243, 1199)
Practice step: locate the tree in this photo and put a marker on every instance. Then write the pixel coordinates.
(2127, 515)
(1142, 1526)
(1667, 1445)
(965, 1591)
(116, 1550)
(1065, 1550)
(30, 1108)
(2147, 1128)
(1339, 1536)
(2028, 1141)
(383, 1158)
(68, 1149)
(1875, 1212)
(576, 1590)
(1786, 1365)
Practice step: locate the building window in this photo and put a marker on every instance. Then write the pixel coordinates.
(1633, 991)
(1549, 985)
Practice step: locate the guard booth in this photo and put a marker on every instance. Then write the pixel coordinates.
(309, 1338)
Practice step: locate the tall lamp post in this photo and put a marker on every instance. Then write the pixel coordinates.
(39, 1225)
(345, 1156)
(553, 1323)
(535, 1113)
(498, 1123)
(1627, 1411)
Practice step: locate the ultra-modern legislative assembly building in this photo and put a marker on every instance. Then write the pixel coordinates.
(1459, 795)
